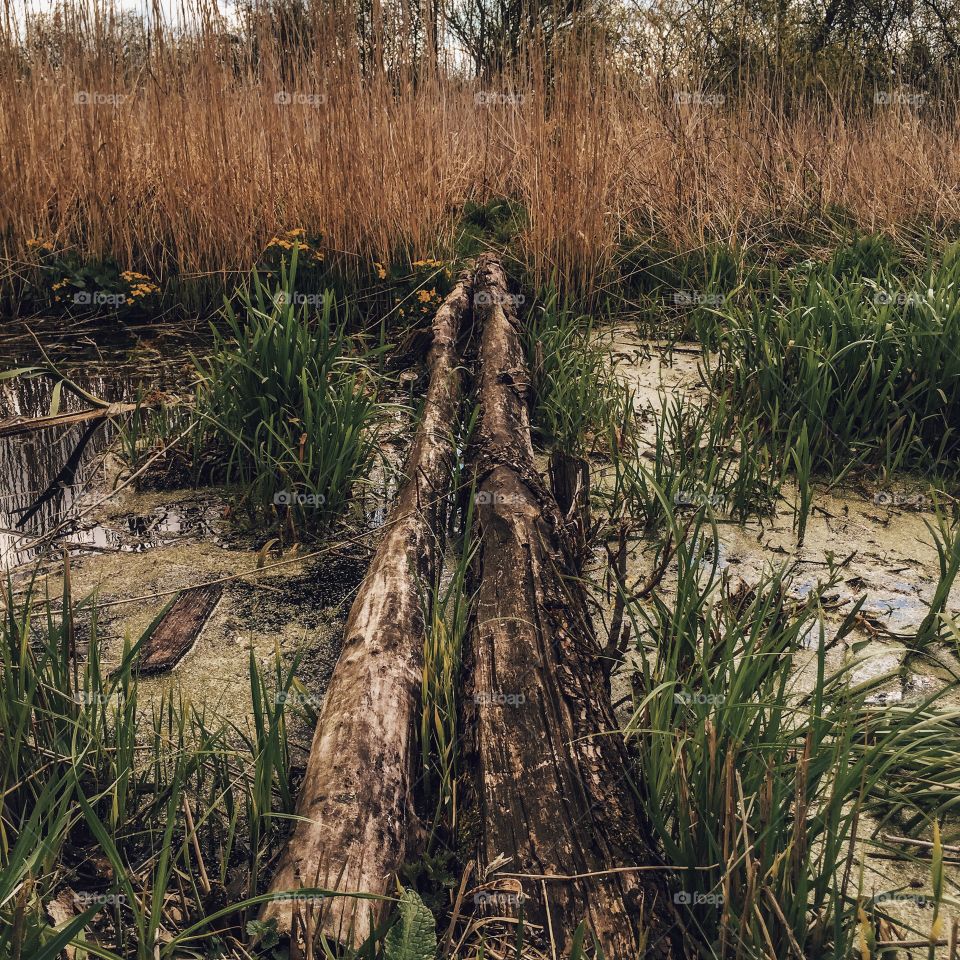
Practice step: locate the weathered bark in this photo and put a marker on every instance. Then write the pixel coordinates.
(570, 485)
(13, 428)
(548, 773)
(175, 634)
(357, 796)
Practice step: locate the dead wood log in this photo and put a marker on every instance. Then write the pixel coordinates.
(547, 783)
(13, 428)
(570, 486)
(178, 629)
(359, 823)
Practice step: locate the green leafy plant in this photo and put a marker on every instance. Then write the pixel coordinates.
(755, 786)
(864, 367)
(91, 286)
(576, 395)
(289, 402)
(89, 774)
(414, 935)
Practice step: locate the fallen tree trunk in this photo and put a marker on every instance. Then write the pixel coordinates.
(13, 428)
(547, 787)
(359, 824)
(178, 629)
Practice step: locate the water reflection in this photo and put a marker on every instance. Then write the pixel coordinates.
(44, 475)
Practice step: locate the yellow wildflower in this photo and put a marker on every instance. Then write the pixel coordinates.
(381, 270)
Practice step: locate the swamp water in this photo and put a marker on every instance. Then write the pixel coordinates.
(134, 550)
(887, 556)
(138, 549)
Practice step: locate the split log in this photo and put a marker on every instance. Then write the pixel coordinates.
(570, 486)
(550, 812)
(178, 629)
(359, 825)
(13, 428)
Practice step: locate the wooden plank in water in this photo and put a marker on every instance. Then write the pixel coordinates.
(179, 628)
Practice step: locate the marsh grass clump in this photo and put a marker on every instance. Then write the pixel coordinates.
(576, 398)
(753, 786)
(851, 370)
(701, 455)
(289, 402)
(154, 818)
(497, 222)
(448, 606)
(676, 293)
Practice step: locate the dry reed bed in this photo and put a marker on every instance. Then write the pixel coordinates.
(198, 165)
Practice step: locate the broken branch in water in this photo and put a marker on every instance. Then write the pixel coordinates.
(13, 428)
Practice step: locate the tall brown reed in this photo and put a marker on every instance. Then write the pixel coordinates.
(181, 151)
